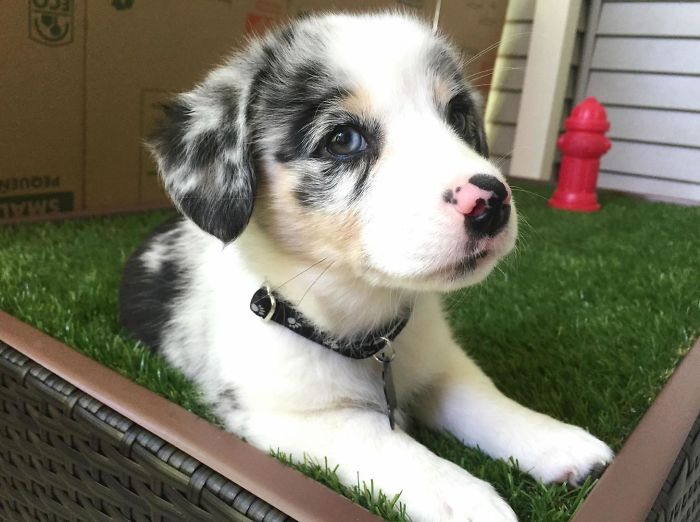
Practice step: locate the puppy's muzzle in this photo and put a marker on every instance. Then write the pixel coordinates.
(485, 203)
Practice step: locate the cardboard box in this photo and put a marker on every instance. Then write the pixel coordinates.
(422, 7)
(475, 26)
(82, 84)
(41, 103)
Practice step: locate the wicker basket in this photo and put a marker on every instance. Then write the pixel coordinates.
(66, 454)
(679, 499)
(78, 442)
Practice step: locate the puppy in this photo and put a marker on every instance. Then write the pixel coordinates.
(333, 177)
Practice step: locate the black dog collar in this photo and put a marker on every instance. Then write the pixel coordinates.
(271, 307)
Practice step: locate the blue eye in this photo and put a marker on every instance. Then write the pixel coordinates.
(344, 141)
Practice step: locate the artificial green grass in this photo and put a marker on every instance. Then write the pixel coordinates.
(585, 322)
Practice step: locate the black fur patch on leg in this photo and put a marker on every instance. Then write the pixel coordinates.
(146, 298)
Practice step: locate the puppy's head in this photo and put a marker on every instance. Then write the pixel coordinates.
(348, 138)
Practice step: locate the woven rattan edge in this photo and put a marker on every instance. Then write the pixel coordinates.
(288, 490)
(679, 498)
(629, 487)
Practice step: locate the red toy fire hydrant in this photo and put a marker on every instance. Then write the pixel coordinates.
(582, 145)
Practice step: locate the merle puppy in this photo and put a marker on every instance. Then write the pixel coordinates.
(334, 177)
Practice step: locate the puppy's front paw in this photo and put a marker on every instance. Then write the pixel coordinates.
(452, 494)
(565, 453)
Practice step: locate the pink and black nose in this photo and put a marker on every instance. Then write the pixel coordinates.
(484, 201)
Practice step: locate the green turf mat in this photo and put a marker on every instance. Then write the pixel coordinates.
(585, 321)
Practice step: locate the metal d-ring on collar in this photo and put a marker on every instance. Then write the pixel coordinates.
(273, 304)
(386, 354)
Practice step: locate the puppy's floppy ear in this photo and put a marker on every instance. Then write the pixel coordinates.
(201, 147)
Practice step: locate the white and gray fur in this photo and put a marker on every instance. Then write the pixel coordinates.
(349, 241)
